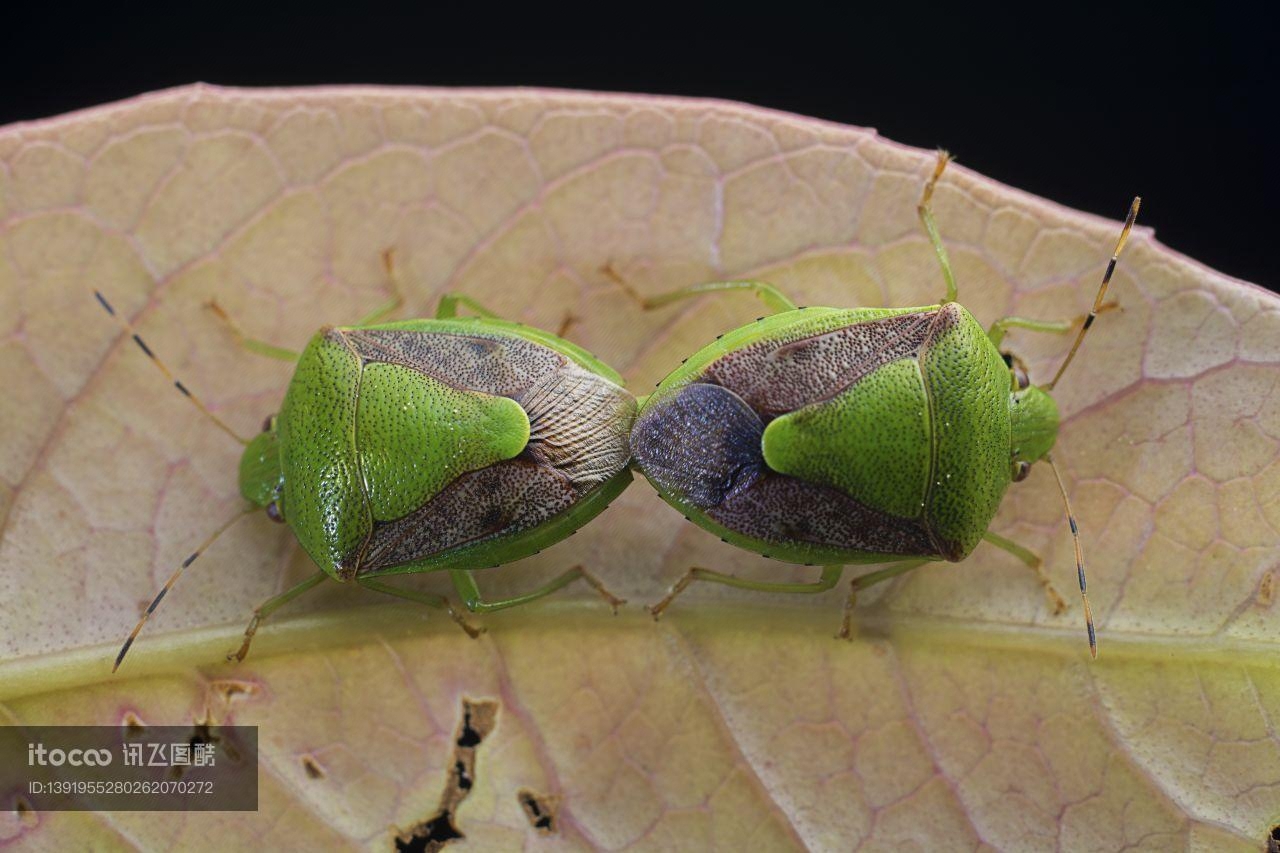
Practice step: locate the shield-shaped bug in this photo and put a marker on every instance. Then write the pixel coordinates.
(453, 443)
(829, 436)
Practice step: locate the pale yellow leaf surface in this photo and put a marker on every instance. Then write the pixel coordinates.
(965, 714)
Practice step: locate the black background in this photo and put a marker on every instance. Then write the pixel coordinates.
(1087, 108)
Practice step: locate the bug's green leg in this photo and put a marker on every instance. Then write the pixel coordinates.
(1033, 562)
(830, 577)
(397, 297)
(931, 227)
(449, 303)
(252, 344)
(871, 579)
(430, 599)
(1057, 327)
(775, 300)
(999, 327)
(569, 321)
(382, 310)
(464, 581)
(266, 608)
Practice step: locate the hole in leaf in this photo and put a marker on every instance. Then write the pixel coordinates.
(430, 836)
(202, 734)
(26, 814)
(133, 726)
(205, 732)
(539, 809)
(467, 735)
(314, 770)
(1266, 589)
(460, 773)
(478, 720)
(207, 737)
(230, 690)
(1273, 839)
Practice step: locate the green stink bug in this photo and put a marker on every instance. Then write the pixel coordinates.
(446, 444)
(829, 437)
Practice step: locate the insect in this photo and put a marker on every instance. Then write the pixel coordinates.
(446, 444)
(829, 437)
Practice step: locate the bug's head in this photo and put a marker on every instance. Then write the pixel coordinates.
(261, 478)
(1033, 416)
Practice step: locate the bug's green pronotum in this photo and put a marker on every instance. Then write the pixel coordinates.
(830, 437)
(446, 444)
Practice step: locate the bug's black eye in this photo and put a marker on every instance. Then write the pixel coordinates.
(1018, 369)
(273, 512)
(1019, 473)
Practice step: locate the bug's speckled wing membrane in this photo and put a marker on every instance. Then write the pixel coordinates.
(774, 377)
(505, 497)
(579, 425)
(504, 366)
(701, 442)
(713, 459)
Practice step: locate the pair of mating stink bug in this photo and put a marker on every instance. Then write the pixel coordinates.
(821, 436)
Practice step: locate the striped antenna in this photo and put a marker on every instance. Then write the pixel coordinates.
(1075, 536)
(137, 339)
(1102, 290)
(171, 581)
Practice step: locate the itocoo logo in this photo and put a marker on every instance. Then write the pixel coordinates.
(37, 754)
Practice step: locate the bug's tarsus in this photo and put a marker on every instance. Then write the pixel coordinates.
(173, 578)
(1075, 538)
(870, 579)
(655, 610)
(646, 303)
(266, 608)
(182, 388)
(393, 283)
(1032, 561)
(254, 345)
(925, 211)
(569, 321)
(594, 582)
(1098, 301)
(472, 631)
(239, 654)
(944, 157)
(1109, 305)
(846, 620)
(610, 272)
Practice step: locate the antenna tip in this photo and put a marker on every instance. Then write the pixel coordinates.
(120, 657)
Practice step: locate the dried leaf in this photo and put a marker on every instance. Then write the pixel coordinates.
(966, 714)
